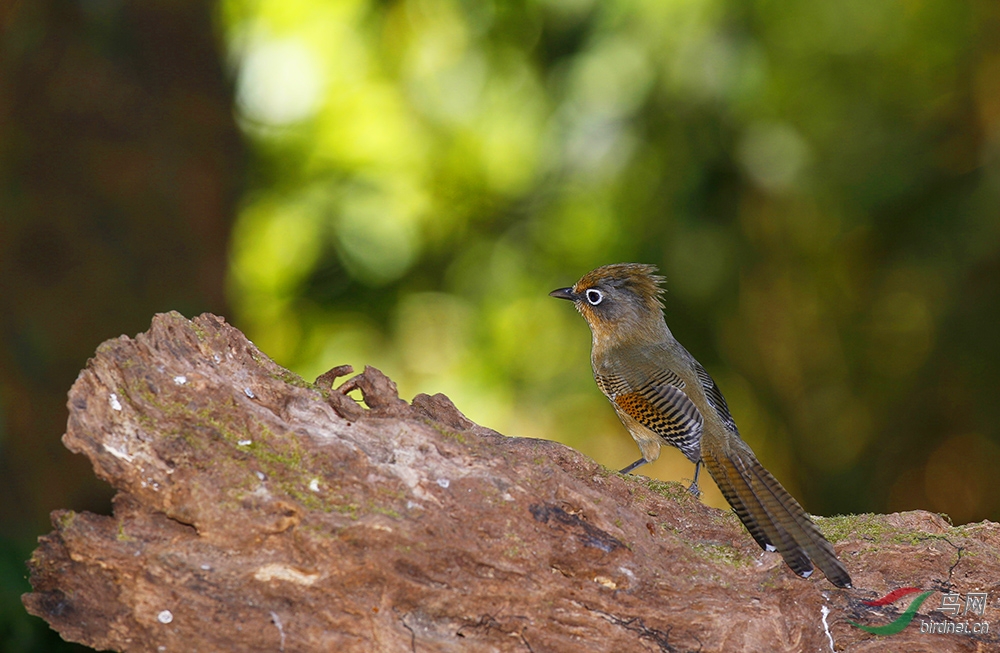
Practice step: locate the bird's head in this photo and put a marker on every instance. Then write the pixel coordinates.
(619, 301)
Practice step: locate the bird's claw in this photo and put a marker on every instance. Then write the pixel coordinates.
(693, 490)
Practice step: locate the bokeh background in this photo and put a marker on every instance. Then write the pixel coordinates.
(400, 183)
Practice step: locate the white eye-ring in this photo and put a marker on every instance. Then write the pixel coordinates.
(594, 296)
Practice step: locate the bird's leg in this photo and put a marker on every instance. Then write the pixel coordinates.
(693, 488)
(638, 463)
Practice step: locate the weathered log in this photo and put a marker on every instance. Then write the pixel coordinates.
(258, 512)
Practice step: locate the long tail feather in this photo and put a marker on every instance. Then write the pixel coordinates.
(773, 517)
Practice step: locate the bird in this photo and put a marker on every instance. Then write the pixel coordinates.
(663, 395)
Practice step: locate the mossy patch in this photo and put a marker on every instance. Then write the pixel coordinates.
(389, 512)
(668, 489)
(291, 378)
(515, 547)
(199, 332)
(66, 519)
(604, 471)
(721, 553)
(349, 509)
(122, 536)
(726, 518)
(448, 433)
(866, 526)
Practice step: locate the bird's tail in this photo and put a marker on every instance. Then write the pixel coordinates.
(773, 517)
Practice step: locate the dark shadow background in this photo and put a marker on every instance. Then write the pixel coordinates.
(852, 321)
(120, 166)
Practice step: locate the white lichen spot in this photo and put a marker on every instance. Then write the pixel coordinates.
(244, 443)
(606, 582)
(206, 567)
(118, 453)
(627, 572)
(281, 629)
(260, 475)
(275, 571)
(314, 485)
(180, 379)
(507, 496)
(825, 611)
(217, 358)
(248, 392)
(113, 400)
(443, 482)
(165, 617)
(405, 467)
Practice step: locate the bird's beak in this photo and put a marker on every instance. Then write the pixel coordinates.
(564, 293)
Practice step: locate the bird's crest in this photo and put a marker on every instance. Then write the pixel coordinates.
(639, 279)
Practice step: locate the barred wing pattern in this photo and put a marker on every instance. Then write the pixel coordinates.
(660, 406)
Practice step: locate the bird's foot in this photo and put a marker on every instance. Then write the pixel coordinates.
(693, 490)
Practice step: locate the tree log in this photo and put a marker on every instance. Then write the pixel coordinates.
(258, 512)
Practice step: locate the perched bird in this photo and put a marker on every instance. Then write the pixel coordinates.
(664, 396)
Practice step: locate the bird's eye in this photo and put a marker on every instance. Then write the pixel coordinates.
(595, 296)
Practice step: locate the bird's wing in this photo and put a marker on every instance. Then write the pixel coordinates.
(659, 404)
(714, 396)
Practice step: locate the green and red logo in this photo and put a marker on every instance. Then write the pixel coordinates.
(903, 620)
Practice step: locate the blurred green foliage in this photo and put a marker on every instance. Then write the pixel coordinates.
(818, 182)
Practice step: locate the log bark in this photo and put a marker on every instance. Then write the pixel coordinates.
(259, 512)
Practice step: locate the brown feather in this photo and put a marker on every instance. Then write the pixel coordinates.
(773, 516)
